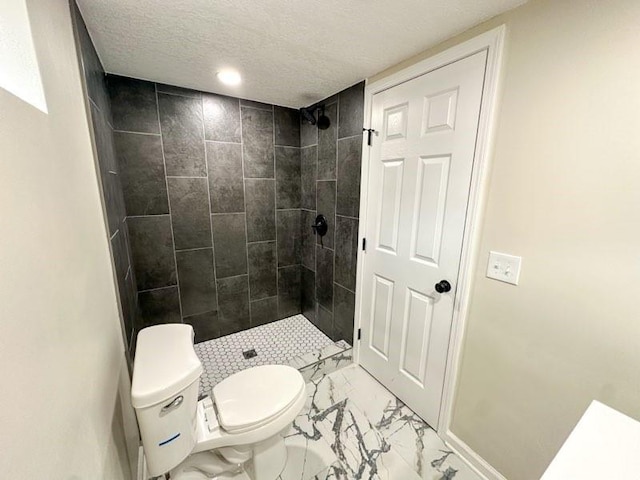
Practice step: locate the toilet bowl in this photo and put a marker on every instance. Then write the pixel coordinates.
(240, 427)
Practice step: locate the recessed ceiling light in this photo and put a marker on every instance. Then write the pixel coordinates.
(229, 77)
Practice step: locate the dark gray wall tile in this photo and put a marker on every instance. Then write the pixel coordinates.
(258, 105)
(120, 254)
(93, 72)
(185, 92)
(190, 212)
(221, 118)
(349, 161)
(260, 201)
(182, 136)
(308, 240)
(326, 199)
(264, 311)
(288, 222)
(104, 142)
(159, 306)
(308, 293)
(324, 321)
(257, 138)
(205, 325)
(114, 201)
(287, 125)
(129, 302)
(324, 277)
(351, 111)
(308, 177)
(133, 105)
(346, 252)
(230, 244)
(152, 251)
(233, 304)
(262, 270)
(308, 134)
(289, 295)
(142, 173)
(344, 303)
(288, 177)
(197, 282)
(226, 184)
(327, 146)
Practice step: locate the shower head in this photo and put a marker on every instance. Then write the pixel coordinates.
(323, 122)
(308, 114)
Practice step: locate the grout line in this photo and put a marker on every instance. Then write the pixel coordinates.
(180, 94)
(226, 143)
(111, 171)
(275, 213)
(159, 288)
(114, 234)
(187, 176)
(234, 276)
(284, 146)
(246, 217)
(146, 216)
(164, 163)
(262, 299)
(260, 241)
(142, 133)
(206, 311)
(350, 136)
(213, 246)
(335, 218)
(193, 249)
(342, 286)
(259, 178)
(347, 216)
(288, 209)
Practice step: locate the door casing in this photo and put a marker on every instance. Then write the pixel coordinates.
(493, 42)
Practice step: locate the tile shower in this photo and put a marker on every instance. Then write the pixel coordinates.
(210, 201)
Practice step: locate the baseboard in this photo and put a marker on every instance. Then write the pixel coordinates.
(471, 458)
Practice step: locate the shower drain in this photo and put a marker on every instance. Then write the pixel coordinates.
(250, 354)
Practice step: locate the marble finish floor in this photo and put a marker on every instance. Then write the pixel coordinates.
(352, 428)
(293, 340)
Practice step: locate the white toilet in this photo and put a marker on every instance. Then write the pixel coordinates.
(241, 427)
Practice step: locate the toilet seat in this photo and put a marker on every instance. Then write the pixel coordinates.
(254, 397)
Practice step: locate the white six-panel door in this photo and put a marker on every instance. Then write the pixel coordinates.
(419, 177)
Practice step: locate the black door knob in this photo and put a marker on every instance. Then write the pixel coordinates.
(443, 286)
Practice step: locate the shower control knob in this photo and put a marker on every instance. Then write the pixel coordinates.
(443, 286)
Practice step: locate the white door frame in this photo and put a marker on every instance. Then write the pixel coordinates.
(493, 42)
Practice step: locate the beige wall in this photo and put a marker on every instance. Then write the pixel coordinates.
(564, 194)
(62, 364)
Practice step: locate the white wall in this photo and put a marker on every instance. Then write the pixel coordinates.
(61, 352)
(565, 194)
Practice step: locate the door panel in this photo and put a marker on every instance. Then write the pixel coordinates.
(419, 176)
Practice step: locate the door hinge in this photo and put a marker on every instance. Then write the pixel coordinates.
(370, 132)
(359, 333)
(364, 244)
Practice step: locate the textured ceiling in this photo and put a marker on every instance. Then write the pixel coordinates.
(289, 52)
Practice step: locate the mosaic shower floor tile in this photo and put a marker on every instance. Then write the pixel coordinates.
(276, 343)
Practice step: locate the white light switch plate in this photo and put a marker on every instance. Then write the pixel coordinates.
(503, 267)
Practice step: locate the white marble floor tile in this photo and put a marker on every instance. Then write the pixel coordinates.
(306, 457)
(362, 452)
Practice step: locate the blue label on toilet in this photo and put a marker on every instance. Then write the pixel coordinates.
(169, 440)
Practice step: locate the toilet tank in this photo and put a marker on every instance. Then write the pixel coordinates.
(164, 394)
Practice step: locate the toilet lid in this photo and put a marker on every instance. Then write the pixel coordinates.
(251, 397)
